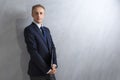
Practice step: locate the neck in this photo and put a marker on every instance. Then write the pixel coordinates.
(40, 23)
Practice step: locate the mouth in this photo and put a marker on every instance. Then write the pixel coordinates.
(39, 19)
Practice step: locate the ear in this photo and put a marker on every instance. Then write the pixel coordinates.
(32, 14)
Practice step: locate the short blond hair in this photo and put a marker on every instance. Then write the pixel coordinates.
(37, 5)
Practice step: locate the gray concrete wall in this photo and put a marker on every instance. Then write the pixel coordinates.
(86, 34)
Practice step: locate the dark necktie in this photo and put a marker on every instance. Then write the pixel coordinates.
(44, 34)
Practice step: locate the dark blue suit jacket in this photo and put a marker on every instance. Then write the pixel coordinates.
(42, 55)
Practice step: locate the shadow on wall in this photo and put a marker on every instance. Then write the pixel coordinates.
(20, 25)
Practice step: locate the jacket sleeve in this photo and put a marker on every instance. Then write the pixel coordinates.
(32, 49)
(53, 52)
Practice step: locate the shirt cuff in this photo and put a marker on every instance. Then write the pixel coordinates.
(48, 71)
(54, 65)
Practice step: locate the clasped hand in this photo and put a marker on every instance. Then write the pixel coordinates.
(53, 70)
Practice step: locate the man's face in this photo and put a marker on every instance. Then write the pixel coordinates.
(38, 14)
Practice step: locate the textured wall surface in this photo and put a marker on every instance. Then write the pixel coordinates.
(86, 34)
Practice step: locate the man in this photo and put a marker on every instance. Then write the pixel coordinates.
(43, 63)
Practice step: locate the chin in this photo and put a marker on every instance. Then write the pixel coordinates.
(39, 21)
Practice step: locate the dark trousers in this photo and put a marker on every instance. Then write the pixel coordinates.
(47, 77)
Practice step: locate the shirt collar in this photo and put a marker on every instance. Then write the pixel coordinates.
(39, 25)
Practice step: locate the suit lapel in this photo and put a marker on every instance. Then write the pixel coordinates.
(38, 31)
(48, 39)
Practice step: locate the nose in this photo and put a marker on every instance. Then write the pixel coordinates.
(39, 15)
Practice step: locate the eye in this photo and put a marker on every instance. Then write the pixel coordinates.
(41, 13)
(36, 13)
